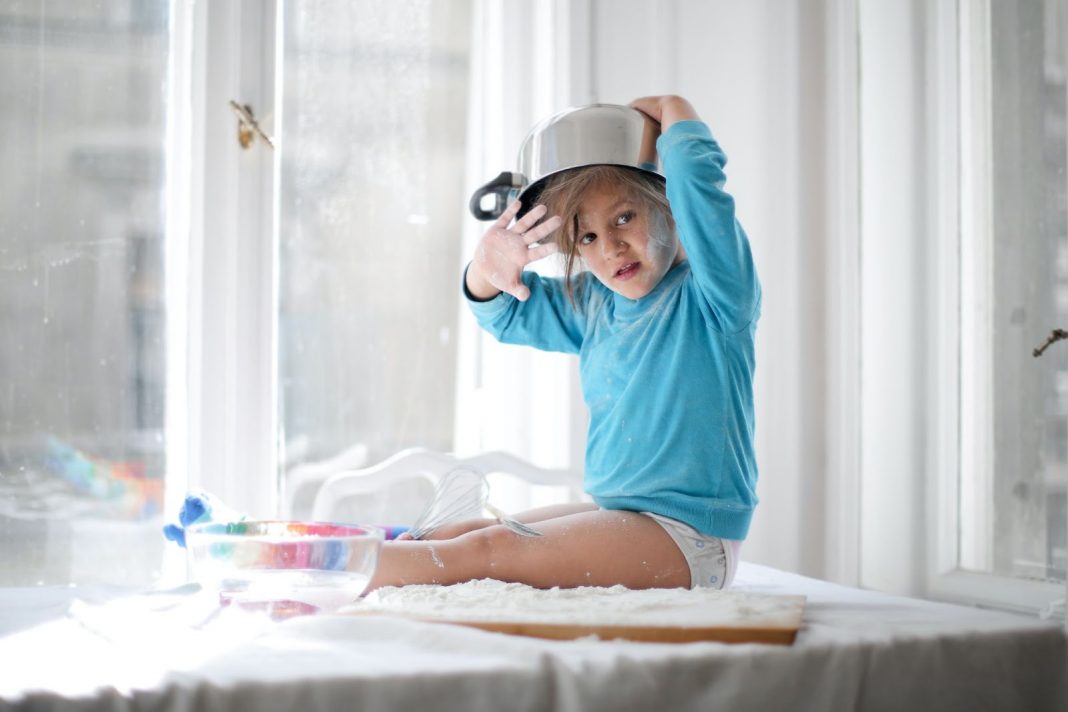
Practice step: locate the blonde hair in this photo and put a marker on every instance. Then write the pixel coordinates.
(565, 192)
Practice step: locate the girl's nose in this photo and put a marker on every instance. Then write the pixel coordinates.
(613, 245)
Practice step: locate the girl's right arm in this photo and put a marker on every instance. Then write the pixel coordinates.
(504, 251)
(519, 307)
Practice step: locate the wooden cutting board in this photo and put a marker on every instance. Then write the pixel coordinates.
(675, 616)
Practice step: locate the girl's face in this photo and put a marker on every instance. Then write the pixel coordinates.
(614, 240)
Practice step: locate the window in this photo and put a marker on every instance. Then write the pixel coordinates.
(111, 347)
(1014, 292)
(962, 223)
(1000, 284)
(375, 108)
(82, 362)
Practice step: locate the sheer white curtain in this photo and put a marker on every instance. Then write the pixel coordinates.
(523, 69)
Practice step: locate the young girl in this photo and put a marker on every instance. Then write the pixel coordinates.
(663, 321)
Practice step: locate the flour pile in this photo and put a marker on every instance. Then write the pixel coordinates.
(487, 600)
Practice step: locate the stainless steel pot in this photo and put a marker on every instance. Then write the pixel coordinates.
(597, 134)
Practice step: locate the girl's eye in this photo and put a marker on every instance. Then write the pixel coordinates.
(587, 239)
(625, 218)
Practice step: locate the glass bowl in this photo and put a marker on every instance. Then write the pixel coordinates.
(284, 567)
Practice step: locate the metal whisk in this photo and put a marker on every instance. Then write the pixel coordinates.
(461, 494)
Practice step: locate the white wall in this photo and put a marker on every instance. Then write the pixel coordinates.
(755, 70)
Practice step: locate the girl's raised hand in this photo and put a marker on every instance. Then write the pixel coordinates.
(505, 250)
(665, 110)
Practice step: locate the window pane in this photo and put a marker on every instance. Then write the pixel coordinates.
(371, 207)
(82, 86)
(1015, 406)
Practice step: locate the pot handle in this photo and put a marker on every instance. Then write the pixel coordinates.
(503, 188)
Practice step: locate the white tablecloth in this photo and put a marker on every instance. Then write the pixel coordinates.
(98, 648)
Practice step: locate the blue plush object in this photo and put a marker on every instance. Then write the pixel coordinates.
(199, 507)
(173, 532)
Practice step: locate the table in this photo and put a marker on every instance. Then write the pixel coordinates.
(112, 648)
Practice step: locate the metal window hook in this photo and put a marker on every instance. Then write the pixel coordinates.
(1055, 336)
(247, 126)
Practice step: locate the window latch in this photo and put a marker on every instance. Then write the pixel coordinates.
(1055, 336)
(247, 126)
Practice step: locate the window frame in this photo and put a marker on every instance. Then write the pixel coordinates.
(953, 90)
(221, 272)
(843, 270)
(905, 485)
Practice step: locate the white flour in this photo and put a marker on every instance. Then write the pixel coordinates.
(489, 600)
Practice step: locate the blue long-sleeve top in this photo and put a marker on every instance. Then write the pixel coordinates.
(668, 378)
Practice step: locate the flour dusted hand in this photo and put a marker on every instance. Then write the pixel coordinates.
(505, 250)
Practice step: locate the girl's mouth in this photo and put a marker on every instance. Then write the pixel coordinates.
(627, 271)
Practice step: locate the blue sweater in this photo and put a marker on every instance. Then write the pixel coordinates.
(668, 378)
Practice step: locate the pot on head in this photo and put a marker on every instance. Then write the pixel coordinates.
(593, 135)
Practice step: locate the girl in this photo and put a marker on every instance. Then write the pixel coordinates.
(663, 321)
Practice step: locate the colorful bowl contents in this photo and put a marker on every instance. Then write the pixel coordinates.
(285, 568)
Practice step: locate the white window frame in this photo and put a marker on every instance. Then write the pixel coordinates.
(892, 197)
(221, 263)
(842, 549)
(960, 99)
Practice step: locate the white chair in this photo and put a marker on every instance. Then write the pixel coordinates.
(303, 481)
(395, 491)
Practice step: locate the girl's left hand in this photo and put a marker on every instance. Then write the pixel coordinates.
(665, 110)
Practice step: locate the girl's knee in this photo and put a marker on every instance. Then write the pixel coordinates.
(496, 545)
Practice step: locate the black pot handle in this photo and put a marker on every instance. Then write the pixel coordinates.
(503, 188)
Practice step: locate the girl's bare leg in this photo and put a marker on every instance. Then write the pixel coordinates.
(540, 514)
(585, 548)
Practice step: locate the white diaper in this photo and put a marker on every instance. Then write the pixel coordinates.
(712, 560)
